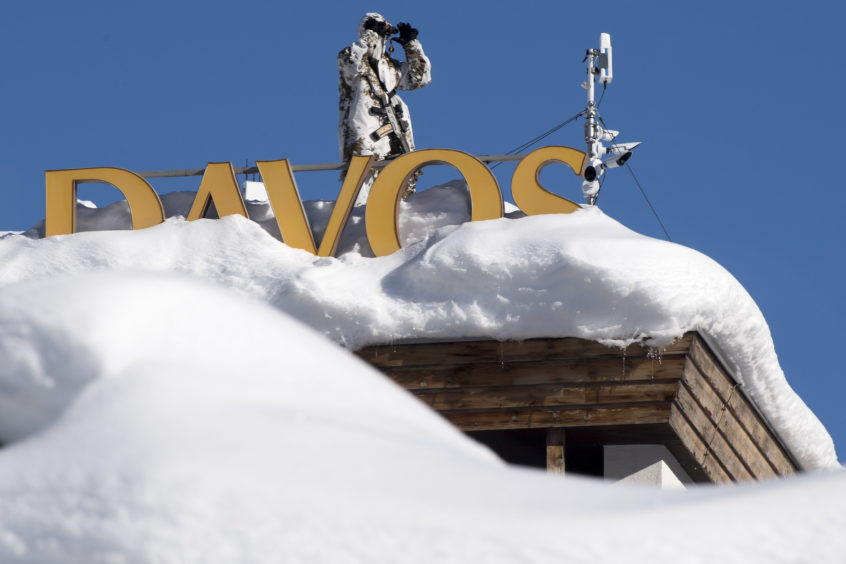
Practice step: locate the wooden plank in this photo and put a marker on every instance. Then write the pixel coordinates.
(471, 352)
(742, 409)
(715, 442)
(541, 418)
(555, 450)
(422, 354)
(727, 423)
(535, 373)
(697, 448)
(563, 396)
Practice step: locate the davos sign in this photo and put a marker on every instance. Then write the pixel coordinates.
(220, 186)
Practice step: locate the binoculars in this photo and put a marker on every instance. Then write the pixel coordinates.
(382, 28)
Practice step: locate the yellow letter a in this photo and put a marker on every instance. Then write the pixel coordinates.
(218, 185)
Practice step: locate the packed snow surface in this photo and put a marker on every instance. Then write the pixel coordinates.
(563, 275)
(155, 418)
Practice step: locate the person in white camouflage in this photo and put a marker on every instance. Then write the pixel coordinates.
(368, 80)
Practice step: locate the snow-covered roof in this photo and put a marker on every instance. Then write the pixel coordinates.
(563, 275)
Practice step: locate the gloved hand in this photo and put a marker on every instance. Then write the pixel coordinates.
(382, 29)
(406, 33)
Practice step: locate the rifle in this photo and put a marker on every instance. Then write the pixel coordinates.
(394, 125)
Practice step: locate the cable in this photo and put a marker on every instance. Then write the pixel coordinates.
(540, 137)
(655, 213)
(643, 193)
(601, 184)
(601, 96)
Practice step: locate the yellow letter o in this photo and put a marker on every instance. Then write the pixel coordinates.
(382, 214)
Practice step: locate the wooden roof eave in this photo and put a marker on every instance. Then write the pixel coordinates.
(681, 396)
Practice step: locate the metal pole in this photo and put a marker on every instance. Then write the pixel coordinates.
(304, 167)
(591, 127)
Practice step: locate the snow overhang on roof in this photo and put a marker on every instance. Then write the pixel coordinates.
(579, 275)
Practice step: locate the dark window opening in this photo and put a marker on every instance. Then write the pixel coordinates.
(524, 447)
(527, 447)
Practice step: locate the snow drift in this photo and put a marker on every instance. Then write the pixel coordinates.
(188, 424)
(572, 275)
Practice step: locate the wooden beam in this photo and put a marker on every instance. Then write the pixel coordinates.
(486, 374)
(562, 396)
(697, 447)
(472, 352)
(717, 445)
(541, 418)
(747, 416)
(726, 423)
(555, 450)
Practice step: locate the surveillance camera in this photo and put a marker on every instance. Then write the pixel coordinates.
(608, 134)
(593, 170)
(619, 154)
(620, 148)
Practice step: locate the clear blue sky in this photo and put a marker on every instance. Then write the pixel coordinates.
(739, 106)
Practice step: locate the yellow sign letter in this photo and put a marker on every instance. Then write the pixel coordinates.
(144, 204)
(526, 190)
(218, 185)
(382, 213)
(288, 206)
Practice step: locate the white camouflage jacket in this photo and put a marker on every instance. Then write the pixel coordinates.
(365, 69)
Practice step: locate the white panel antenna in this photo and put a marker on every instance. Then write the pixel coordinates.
(606, 72)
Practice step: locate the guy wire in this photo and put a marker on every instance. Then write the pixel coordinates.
(642, 191)
(540, 137)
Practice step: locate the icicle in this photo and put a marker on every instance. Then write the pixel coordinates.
(623, 376)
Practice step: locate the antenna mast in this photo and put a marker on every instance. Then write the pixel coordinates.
(599, 63)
